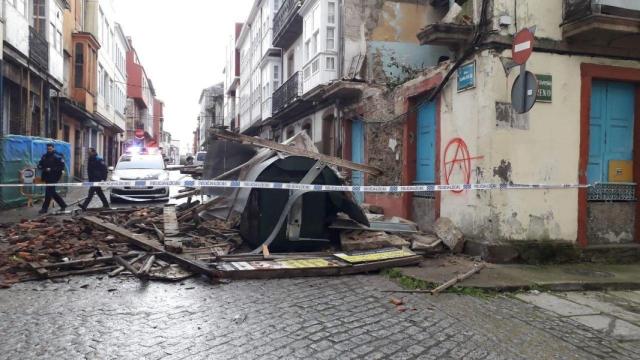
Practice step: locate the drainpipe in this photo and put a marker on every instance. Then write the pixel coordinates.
(2, 21)
(2, 93)
(341, 32)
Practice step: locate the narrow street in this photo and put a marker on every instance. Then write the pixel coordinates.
(320, 179)
(318, 318)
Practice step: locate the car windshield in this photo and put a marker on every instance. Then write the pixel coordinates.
(201, 156)
(140, 162)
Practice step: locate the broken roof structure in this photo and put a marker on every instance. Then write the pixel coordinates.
(281, 219)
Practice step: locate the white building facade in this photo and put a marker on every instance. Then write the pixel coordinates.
(260, 66)
(100, 21)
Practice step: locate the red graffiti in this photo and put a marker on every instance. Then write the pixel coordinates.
(457, 160)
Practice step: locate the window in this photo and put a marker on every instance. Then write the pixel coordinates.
(316, 18)
(79, 66)
(100, 81)
(276, 5)
(307, 72)
(306, 51)
(101, 33)
(331, 63)
(276, 76)
(330, 38)
(59, 39)
(307, 128)
(331, 17)
(80, 13)
(111, 92)
(314, 66)
(314, 44)
(39, 16)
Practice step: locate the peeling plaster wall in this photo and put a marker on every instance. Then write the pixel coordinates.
(547, 151)
(385, 31)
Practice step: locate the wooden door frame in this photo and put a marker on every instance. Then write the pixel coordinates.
(412, 96)
(589, 73)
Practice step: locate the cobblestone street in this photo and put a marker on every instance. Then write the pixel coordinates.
(323, 318)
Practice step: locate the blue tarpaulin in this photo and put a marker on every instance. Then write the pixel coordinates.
(18, 152)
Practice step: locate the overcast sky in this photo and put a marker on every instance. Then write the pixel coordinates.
(181, 45)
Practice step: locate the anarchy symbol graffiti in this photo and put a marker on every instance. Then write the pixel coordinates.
(457, 162)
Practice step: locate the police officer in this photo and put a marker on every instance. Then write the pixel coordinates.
(51, 164)
(98, 171)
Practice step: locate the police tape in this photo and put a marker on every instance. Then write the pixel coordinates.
(306, 187)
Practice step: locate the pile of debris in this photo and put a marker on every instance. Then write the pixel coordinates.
(235, 232)
(138, 241)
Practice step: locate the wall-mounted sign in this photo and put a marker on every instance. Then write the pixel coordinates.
(467, 76)
(139, 133)
(545, 90)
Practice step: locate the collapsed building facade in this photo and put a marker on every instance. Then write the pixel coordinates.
(422, 89)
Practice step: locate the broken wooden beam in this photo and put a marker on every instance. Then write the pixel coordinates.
(144, 270)
(455, 280)
(227, 135)
(189, 193)
(149, 244)
(120, 269)
(126, 265)
(188, 215)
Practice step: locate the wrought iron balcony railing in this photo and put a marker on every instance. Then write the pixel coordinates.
(38, 49)
(287, 23)
(287, 93)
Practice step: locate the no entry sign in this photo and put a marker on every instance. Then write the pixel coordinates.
(522, 46)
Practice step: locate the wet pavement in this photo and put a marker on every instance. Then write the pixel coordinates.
(313, 318)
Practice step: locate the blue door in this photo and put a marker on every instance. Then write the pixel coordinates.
(426, 144)
(610, 127)
(357, 155)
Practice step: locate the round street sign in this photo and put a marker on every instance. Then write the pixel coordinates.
(522, 46)
(139, 133)
(522, 101)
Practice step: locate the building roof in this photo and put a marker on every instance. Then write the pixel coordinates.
(215, 90)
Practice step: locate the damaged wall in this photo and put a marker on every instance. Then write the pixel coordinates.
(542, 149)
(611, 223)
(385, 31)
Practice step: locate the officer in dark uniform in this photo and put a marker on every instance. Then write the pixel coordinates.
(98, 171)
(51, 164)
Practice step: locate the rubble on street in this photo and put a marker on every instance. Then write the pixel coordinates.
(228, 234)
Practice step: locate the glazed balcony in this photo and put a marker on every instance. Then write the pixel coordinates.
(38, 49)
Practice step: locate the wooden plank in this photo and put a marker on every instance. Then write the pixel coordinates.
(187, 194)
(189, 215)
(227, 135)
(95, 270)
(120, 269)
(144, 270)
(81, 262)
(146, 243)
(126, 265)
(170, 221)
